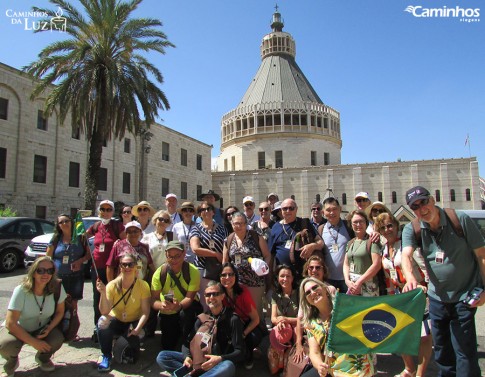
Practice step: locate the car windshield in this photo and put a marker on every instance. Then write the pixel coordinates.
(88, 223)
(4, 220)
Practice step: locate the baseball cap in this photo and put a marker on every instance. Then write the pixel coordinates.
(175, 245)
(362, 194)
(171, 196)
(133, 224)
(416, 193)
(107, 202)
(248, 199)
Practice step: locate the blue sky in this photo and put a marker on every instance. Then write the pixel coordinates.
(406, 87)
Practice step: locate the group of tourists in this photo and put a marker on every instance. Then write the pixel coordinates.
(189, 272)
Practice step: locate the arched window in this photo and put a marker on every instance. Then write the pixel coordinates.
(344, 199)
(468, 195)
(437, 195)
(452, 195)
(394, 197)
(379, 196)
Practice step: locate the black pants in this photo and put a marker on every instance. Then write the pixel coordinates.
(177, 327)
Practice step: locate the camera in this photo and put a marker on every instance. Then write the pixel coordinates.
(473, 296)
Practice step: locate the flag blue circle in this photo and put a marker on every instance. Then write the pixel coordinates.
(377, 325)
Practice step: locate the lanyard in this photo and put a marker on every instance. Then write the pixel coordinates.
(292, 232)
(41, 306)
(335, 238)
(186, 231)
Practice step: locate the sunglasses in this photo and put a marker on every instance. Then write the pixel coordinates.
(212, 294)
(64, 222)
(286, 209)
(312, 289)
(248, 204)
(386, 227)
(378, 210)
(143, 209)
(187, 210)
(360, 200)
(228, 275)
(206, 209)
(128, 265)
(126, 212)
(316, 209)
(104, 209)
(164, 220)
(314, 268)
(133, 231)
(416, 206)
(43, 271)
(230, 213)
(264, 209)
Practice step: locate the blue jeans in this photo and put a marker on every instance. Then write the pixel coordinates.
(171, 360)
(454, 338)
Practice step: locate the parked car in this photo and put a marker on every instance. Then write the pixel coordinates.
(38, 245)
(479, 217)
(15, 236)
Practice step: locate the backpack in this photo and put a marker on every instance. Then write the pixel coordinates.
(381, 277)
(203, 340)
(116, 228)
(452, 218)
(303, 237)
(185, 273)
(69, 324)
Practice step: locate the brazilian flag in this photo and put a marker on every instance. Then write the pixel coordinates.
(385, 324)
(78, 227)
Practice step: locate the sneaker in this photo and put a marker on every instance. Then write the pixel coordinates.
(105, 364)
(10, 366)
(45, 366)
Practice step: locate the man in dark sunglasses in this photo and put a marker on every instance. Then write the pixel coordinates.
(454, 254)
(249, 206)
(316, 216)
(362, 200)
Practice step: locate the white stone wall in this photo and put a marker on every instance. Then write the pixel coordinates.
(20, 136)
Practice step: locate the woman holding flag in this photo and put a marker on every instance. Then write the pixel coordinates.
(316, 304)
(69, 251)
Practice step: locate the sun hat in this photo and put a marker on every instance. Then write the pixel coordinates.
(143, 203)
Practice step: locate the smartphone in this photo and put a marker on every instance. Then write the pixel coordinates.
(473, 296)
(182, 371)
(168, 297)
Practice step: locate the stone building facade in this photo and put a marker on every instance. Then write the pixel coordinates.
(42, 162)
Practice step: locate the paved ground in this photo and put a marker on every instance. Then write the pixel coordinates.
(79, 358)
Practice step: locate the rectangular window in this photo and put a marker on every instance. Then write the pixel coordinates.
(3, 162)
(278, 157)
(326, 158)
(3, 108)
(127, 145)
(41, 121)
(261, 160)
(183, 190)
(233, 163)
(199, 162)
(126, 183)
(225, 164)
(165, 151)
(199, 190)
(76, 133)
(165, 186)
(40, 169)
(40, 212)
(183, 157)
(74, 170)
(102, 184)
(313, 158)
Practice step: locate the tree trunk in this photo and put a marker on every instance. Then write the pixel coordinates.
(92, 171)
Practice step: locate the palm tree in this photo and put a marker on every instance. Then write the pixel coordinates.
(102, 79)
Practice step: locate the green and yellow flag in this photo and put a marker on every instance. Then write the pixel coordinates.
(78, 227)
(386, 324)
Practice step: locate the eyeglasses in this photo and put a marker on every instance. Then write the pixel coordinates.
(314, 268)
(248, 204)
(164, 220)
(358, 222)
(360, 200)
(416, 206)
(187, 210)
(133, 231)
(316, 209)
(235, 223)
(312, 289)
(212, 294)
(143, 209)
(378, 210)
(286, 209)
(386, 227)
(206, 209)
(128, 265)
(106, 209)
(264, 209)
(228, 275)
(126, 212)
(174, 257)
(64, 222)
(43, 271)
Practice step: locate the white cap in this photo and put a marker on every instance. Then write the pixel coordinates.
(248, 199)
(108, 202)
(171, 196)
(259, 266)
(133, 224)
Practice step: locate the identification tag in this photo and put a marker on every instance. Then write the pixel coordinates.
(393, 274)
(237, 259)
(440, 257)
(334, 248)
(65, 259)
(101, 248)
(288, 244)
(160, 248)
(211, 244)
(204, 340)
(352, 267)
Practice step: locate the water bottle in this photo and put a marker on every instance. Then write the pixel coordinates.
(66, 320)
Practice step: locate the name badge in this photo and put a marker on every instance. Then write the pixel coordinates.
(101, 248)
(352, 267)
(288, 244)
(237, 259)
(211, 244)
(160, 248)
(393, 273)
(440, 257)
(65, 259)
(334, 248)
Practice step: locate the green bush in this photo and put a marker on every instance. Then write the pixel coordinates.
(7, 212)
